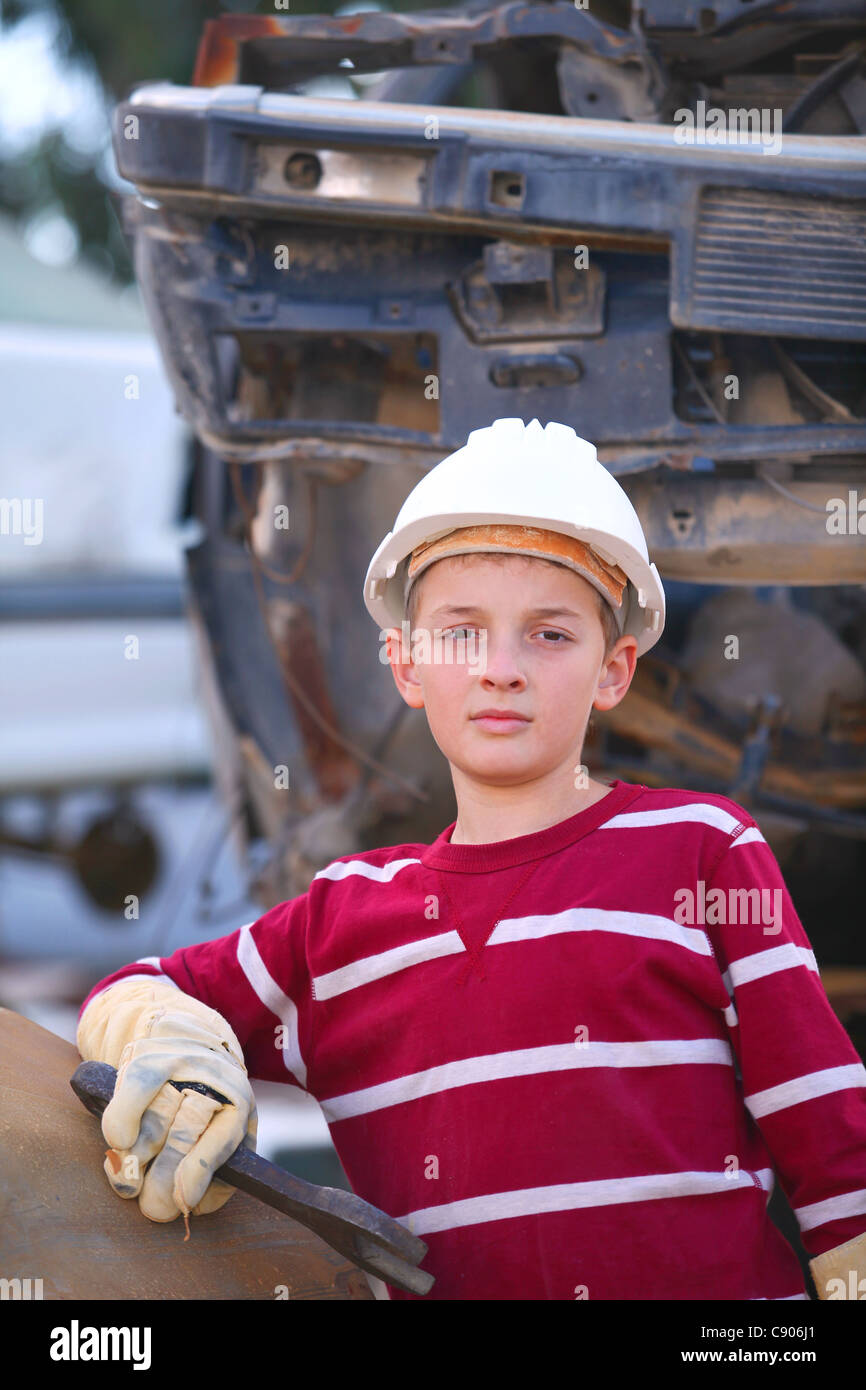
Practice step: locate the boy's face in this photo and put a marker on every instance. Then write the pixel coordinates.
(548, 666)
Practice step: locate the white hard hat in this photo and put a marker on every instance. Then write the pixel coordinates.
(512, 475)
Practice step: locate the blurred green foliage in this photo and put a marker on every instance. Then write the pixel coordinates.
(125, 44)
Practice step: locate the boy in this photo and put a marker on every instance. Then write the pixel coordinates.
(567, 1043)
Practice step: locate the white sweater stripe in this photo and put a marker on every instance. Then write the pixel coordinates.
(832, 1209)
(702, 811)
(528, 1061)
(530, 1201)
(379, 873)
(269, 993)
(761, 963)
(807, 1087)
(361, 972)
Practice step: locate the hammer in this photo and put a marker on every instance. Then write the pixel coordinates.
(365, 1235)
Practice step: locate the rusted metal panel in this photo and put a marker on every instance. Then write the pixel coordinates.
(280, 50)
(692, 733)
(719, 530)
(63, 1224)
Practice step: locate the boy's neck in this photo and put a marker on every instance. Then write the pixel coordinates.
(481, 822)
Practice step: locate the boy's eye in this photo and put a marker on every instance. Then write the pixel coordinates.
(547, 632)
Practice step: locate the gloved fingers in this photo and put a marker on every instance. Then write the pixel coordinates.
(194, 1173)
(125, 1167)
(219, 1191)
(215, 1197)
(140, 1077)
(252, 1123)
(194, 1061)
(124, 1173)
(146, 1065)
(194, 1114)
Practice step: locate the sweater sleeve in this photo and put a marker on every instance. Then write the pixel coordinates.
(803, 1081)
(258, 978)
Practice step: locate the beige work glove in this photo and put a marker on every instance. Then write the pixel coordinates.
(166, 1144)
(841, 1272)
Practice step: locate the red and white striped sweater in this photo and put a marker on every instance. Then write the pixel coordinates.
(591, 1101)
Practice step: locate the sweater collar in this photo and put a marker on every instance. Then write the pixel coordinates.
(502, 854)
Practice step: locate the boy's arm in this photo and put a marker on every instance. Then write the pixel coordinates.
(203, 1015)
(803, 1081)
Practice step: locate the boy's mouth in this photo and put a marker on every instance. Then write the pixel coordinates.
(500, 720)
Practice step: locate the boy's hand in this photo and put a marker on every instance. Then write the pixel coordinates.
(166, 1143)
(184, 1136)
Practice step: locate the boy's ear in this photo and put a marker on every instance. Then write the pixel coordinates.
(616, 674)
(403, 668)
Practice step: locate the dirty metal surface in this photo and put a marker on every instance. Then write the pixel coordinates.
(662, 714)
(60, 1221)
(277, 50)
(394, 279)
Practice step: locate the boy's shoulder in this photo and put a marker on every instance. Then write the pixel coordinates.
(704, 825)
(710, 807)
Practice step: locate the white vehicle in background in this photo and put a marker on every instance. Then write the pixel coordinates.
(92, 481)
(98, 694)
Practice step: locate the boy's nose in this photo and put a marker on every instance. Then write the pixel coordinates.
(502, 664)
